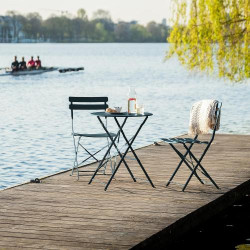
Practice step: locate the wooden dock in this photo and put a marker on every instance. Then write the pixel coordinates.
(63, 213)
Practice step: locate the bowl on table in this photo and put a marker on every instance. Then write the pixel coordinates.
(118, 109)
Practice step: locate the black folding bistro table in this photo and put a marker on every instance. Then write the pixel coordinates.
(128, 142)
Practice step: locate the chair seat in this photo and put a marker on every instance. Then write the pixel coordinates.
(183, 140)
(100, 135)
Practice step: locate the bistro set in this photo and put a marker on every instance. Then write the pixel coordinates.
(100, 104)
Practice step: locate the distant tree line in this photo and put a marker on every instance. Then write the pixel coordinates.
(15, 27)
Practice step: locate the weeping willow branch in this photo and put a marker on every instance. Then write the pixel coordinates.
(212, 36)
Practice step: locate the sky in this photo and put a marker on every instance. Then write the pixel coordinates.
(142, 11)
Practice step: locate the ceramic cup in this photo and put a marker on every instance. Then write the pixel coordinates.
(118, 109)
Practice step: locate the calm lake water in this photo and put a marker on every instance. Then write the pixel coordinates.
(35, 122)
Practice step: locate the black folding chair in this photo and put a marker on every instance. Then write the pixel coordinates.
(193, 163)
(88, 103)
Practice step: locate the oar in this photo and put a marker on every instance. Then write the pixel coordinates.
(70, 69)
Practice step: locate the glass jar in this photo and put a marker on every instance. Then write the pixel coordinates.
(132, 101)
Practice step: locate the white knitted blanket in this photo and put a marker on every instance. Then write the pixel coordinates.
(203, 117)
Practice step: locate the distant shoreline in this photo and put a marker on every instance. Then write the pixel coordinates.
(81, 42)
(16, 28)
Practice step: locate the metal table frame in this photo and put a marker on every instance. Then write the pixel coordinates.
(129, 143)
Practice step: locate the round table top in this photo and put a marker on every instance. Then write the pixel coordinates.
(122, 114)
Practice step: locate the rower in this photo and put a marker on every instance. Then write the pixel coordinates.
(31, 63)
(14, 65)
(38, 63)
(22, 64)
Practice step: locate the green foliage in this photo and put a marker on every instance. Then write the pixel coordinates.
(15, 24)
(212, 32)
(157, 32)
(122, 32)
(102, 14)
(139, 33)
(101, 33)
(32, 25)
(67, 28)
(81, 13)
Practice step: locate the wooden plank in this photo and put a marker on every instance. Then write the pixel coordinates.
(63, 213)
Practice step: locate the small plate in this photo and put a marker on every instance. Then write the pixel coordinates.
(121, 113)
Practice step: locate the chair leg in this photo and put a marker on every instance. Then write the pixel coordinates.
(173, 175)
(113, 166)
(110, 156)
(176, 170)
(193, 174)
(75, 166)
(202, 168)
(183, 159)
(209, 177)
(76, 161)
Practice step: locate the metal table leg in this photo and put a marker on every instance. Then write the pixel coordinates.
(111, 145)
(129, 147)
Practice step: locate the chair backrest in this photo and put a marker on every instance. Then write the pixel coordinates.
(217, 122)
(87, 103)
(217, 117)
(203, 116)
(200, 120)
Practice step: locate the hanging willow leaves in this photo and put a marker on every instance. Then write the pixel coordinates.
(212, 35)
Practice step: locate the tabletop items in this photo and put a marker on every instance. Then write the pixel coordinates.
(140, 109)
(110, 110)
(118, 109)
(132, 101)
(133, 106)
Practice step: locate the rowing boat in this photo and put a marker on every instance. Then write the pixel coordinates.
(8, 71)
(30, 71)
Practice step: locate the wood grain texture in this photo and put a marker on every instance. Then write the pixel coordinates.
(63, 213)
